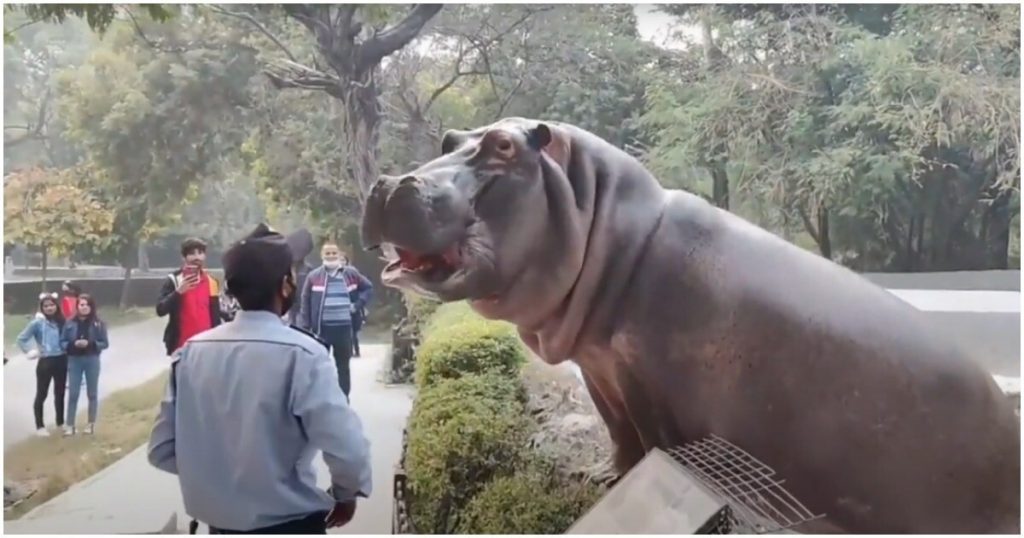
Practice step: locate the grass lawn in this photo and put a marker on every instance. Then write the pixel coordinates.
(15, 323)
(54, 463)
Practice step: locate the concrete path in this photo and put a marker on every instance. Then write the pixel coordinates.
(132, 497)
(136, 355)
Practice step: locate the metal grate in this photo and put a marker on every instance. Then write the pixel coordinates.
(757, 501)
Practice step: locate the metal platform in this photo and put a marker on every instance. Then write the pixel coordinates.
(758, 504)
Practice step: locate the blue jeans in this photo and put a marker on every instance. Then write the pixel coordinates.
(89, 366)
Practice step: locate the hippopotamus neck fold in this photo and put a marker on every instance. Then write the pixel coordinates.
(618, 201)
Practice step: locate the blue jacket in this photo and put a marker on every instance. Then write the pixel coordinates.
(311, 302)
(46, 335)
(95, 332)
(255, 379)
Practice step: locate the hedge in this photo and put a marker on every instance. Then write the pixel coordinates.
(420, 309)
(472, 346)
(530, 502)
(449, 314)
(469, 465)
(462, 433)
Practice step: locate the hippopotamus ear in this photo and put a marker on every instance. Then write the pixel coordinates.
(451, 140)
(551, 140)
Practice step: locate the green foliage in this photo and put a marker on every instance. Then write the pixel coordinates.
(448, 314)
(420, 309)
(46, 209)
(895, 145)
(533, 501)
(153, 124)
(469, 347)
(97, 16)
(462, 433)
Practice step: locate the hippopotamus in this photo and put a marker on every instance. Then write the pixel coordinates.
(688, 321)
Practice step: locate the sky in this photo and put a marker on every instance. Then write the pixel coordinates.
(656, 27)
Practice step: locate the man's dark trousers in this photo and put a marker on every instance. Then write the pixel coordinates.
(315, 523)
(339, 337)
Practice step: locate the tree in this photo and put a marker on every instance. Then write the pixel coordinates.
(46, 210)
(893, 138)
(154, 116)
(352, 41)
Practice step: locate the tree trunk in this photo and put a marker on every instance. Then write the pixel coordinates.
(362, 130)
(143, 257)
(824, 239)
(720, 186)
(997, 237)
(45, 263)
(126, 288)
(129, 260)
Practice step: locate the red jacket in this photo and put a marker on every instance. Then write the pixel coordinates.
(69, 306)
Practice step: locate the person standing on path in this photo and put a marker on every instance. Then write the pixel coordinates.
(248, 405)
(326, 307)
(190, 297)
(53, 362)
(84, 337)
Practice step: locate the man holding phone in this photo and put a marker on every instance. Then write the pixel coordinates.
(190, 297)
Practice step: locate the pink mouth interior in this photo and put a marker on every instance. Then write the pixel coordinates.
(449, 260)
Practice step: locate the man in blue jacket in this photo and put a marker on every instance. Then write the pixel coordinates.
(248, 406)
(326, 306)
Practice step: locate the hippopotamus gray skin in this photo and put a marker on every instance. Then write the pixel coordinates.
(688, 321)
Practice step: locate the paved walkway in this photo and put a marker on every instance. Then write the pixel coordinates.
(132, 497)
(136, 355)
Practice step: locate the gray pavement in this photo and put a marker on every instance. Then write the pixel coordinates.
(132, 497)
(136, 355)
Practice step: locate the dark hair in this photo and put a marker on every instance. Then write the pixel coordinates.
(192, 244)
(93, 313)
(255, 266)
(75, 289)
(57, 316)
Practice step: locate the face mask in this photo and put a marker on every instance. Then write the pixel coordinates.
(334, 264)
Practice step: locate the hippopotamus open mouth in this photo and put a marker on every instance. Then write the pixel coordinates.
(453, 228)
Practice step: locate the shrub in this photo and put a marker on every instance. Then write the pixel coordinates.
(420, 309)
(462, 433)
(529, 502)
(447, 315)
(474, 346)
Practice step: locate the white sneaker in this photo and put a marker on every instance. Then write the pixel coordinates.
(69, 431)
(41, 432)
(90, 429)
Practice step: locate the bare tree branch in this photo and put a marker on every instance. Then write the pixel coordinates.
(315, 17)
(34, 131)
(373, 50)
(288, 74)
(263, 29)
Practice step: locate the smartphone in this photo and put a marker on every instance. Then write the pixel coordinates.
(190, 271)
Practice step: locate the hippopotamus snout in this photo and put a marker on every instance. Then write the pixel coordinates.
(415, 212)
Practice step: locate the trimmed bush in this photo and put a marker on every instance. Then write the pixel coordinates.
(474, 346)
(420, 309)
(447, 315)
(462, 433)
(530, 502)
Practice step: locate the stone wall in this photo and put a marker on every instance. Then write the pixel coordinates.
(23, 297)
